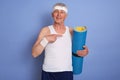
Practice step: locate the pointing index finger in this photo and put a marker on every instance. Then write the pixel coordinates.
(59, 35)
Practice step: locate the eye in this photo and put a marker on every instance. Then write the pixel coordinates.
(55, 11)
(62, 12)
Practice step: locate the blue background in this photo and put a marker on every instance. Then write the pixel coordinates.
(21, 21)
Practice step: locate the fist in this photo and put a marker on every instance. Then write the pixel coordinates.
(83, 52)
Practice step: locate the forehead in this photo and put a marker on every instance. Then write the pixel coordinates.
(58, 10)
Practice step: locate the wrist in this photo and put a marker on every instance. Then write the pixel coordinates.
(44, 42)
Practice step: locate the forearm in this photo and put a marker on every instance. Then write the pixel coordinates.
(37, 50)
(41, 42)
(39, 47)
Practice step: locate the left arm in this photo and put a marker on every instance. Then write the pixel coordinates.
(83, 52)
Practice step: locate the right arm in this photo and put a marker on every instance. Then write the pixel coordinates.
(37, 48)
(45, 33)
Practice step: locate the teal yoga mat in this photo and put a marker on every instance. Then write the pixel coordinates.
(78, 41)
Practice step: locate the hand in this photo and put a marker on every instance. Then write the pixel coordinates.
(83, 52)
(53, 37)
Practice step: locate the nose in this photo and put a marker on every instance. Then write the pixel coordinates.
(58, 13)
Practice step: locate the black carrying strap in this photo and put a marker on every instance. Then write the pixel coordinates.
(74, 54)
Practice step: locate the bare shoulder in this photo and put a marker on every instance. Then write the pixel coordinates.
(44, 31)
(71, 30)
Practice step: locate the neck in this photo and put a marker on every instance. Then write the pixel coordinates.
(59, 28)
(59, 25)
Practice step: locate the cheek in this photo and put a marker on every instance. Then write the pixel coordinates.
(64, 17)
(53, 14)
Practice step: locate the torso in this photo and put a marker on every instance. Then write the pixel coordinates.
(58, 55)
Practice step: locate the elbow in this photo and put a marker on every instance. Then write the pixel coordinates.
(34, 54)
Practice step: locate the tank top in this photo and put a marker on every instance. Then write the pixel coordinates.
(58, 55)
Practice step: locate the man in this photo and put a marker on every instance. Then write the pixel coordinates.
(56, 40)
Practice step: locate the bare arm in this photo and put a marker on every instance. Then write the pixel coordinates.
(71, 31)
(37, 48)
(81, 53)
(45, 33)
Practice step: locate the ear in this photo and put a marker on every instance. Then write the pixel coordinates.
(66, 15)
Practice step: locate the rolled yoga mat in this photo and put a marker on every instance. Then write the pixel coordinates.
(78, 41)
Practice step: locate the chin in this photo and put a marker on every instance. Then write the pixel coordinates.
(59, 22)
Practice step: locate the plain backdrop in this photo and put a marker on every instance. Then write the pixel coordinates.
(22, 20)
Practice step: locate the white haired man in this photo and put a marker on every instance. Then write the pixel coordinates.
(56, 40)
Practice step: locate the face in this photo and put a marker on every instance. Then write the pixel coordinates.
(59, 16)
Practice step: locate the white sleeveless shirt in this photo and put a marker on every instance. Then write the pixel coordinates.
(58, 55)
